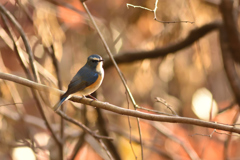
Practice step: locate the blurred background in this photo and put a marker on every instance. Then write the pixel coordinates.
(192, 80)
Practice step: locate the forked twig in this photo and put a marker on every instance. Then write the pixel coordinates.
(163, 101)
(155, 13)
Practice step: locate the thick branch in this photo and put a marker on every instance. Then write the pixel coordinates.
(228, 63)
(230, 24)
(119, 110)
(193, 36)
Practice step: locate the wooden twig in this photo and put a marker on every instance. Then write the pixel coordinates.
(117, 68)
(155, 13)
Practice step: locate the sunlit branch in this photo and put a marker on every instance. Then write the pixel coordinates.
(120, 110)
(155, 13)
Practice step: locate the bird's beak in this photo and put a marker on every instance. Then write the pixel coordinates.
(101, 60)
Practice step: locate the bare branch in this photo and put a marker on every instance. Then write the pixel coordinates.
(163, 101)
(155, 13)
(228, 63)
(117, 68)
(86, 129)
(193, 36)
(120, 110)
(25, 40)
(35, 94)
(230, 24)
(130, 129)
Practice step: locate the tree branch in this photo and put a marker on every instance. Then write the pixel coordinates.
(120, 110)
(228, 63)
(25, 41)
(193, 36)
(230, 24)
(117, 68)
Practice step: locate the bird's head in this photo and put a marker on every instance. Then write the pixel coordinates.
(95, 61)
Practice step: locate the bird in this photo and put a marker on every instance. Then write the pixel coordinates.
(87, 80)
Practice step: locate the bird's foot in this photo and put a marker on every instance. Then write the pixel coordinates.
(93, 97)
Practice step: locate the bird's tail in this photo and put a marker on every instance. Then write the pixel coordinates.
(56, 107)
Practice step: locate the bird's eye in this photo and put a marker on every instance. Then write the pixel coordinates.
(94, 60)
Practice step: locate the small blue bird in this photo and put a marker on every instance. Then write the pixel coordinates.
(86, 81)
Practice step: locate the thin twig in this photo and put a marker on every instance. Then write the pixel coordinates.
(228, 140)
(105, 148)
(25, 40)
(214, 131)
(155, 13)
(13, 90)
(200, 54)
(16, 47)
(205, 135)
(134, 6)
(85, 128)
(130, 130)
(117, 68)
(230, 106)
(27, 72)
(155, 111)
(163, 101)
(227, 134)
(44, 72)
(57, 69)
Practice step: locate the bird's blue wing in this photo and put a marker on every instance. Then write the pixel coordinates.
(84, 78)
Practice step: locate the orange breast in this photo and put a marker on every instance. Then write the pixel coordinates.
(93, 87)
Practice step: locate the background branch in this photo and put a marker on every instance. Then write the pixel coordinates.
(230, 24)
(27, 72)
(174, 61)
(194, 35)
(25, 40)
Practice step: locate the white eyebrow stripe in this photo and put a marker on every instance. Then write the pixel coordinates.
(95, 59)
